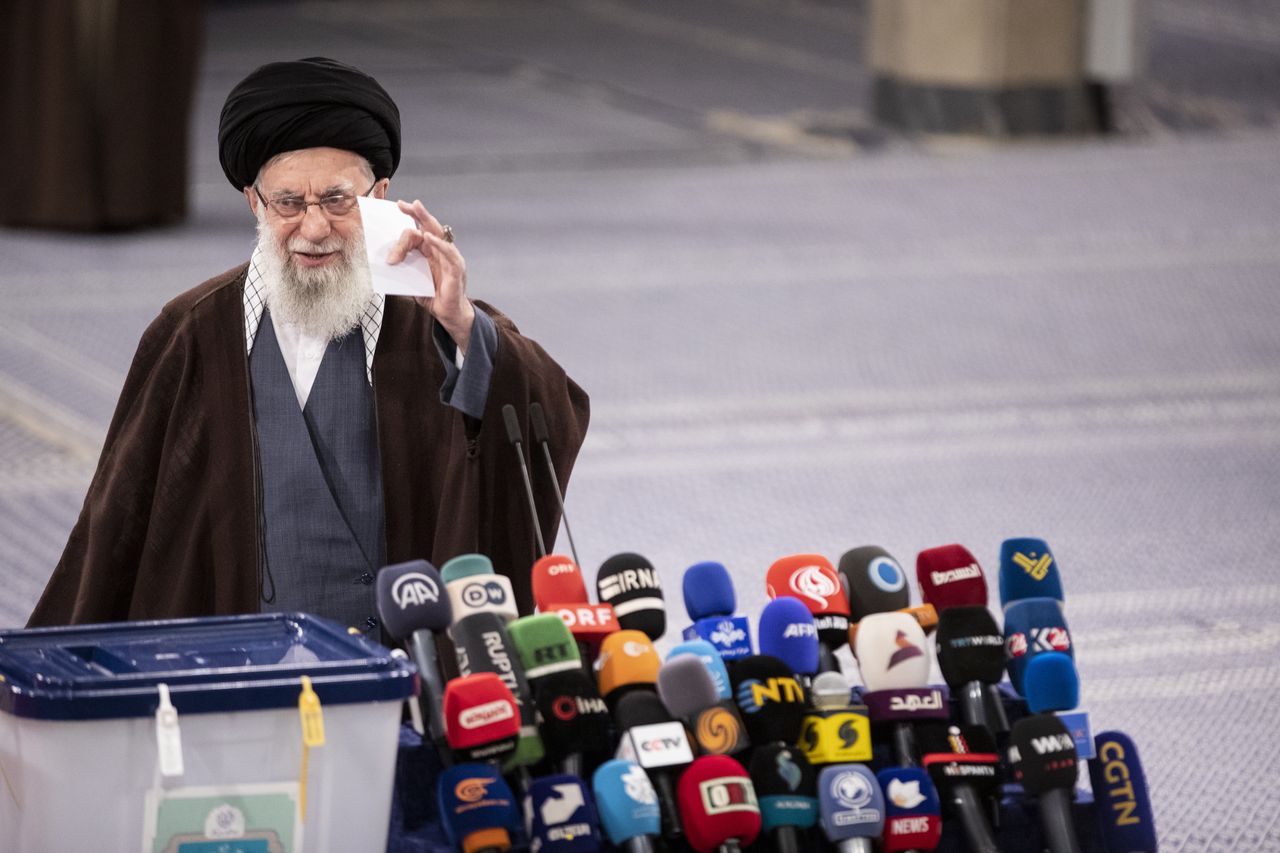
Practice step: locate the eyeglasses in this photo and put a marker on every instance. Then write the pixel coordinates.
(290, 207)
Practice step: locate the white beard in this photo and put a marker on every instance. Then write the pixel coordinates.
(325, 302)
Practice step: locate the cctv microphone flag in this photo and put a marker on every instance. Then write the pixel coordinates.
(481, 718)
(1028, 570)
(772, 703)
(949, 576)
(482, 645)
(560, 816)
(650, 735)
(834, 731)
(627, 661)
(588, 623)
(851, 806)
(913, 812)
(892, 652)
(687, 689)
(556, 579)
(544, 645)
(718, 803)
(710, 658)
(627, 803)
(1033, 626)
(575, 720)
(786, 786)
(1121, 800)
(813, 580)
(630, 584)
(787, 631)
(476, 806)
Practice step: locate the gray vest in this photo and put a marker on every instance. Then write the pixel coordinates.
(321, 482)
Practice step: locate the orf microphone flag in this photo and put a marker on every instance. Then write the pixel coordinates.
(1028, 570)
(476, 807)
(950, 576)
(631, 585)
(1120, 795)
(718, 804)
(556, 579)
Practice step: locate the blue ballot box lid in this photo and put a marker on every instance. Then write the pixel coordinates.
(210, 664)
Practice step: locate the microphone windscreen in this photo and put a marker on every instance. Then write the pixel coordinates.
(481, 718)
(512, 422)
(1032, 627)
(956, 754)
(717, 802)
(850, 803)
(574, 717)
(1050, 683)
(970, 646)
(410, 598)
(627, 659)
(950, 576)
(538, 422)
(640, 708)
(626, 800)
(477, 807)
(560, 815)
(813, 580)
(631, 584)
(483, 645)
(686, 686)
(708, 591)
(544, 645)
(772, 702)
(465, 566)
(786, 786)
(710, 658)
(482, 593)
(877, 583)
(1042, 754)
(891, 652)
(829, 690)
(787, 631)
(1028, 570)
(556, 579)
(913, 812)
(1121, 799)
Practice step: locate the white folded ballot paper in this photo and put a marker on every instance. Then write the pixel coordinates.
(383, 224)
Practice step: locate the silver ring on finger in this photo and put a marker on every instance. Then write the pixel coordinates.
(447, 236)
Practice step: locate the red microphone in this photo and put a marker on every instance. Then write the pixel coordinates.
(718, 805)
(558, 588)
(812, 579)
(950, 576)
(481, 718)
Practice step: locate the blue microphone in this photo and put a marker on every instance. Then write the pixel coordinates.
(912, 809)
(1033, 626)
(710, 601)
(710, 658)
(560, 816)
(628, 805)
(1028, 570)
(1120, 796)
(1050, 683)
(476, 806)
(787, 631)
(851, 807)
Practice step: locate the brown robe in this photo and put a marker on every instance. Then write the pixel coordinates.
(169, 527)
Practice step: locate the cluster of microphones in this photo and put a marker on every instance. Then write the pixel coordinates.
(566, 730)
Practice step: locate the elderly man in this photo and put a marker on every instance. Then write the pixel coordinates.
(284, 431)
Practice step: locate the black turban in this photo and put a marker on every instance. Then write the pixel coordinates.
(311, 103)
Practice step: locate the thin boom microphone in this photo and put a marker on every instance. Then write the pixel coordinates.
(513, 435)
(540, 435)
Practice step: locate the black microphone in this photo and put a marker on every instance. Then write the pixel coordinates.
(1042, 756)
(772, 702)
(659, 743)
(963, 763)
(482, 644)
(575, 720)
(539, 423)
(630, 584)
(971, 657)
(787, 789)
(412, 605)
(513, 436)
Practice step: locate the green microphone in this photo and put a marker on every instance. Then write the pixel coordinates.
(544, 645)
